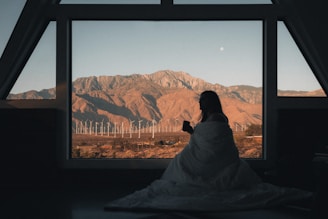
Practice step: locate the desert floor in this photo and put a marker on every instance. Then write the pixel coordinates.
(162, 145)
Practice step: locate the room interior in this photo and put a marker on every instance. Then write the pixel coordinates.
(37, 183)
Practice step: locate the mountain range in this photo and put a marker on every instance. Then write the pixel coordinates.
(167, 97)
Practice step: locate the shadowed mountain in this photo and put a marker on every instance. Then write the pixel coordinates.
(168, 97)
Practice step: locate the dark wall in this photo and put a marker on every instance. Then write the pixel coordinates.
(28, 150)
(28, 145)
(301, 134)
(28, 155)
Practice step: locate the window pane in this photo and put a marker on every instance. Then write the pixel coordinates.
(134, 82)
(295, 77)
(38, 78)
(9, 13)
(222, 2)
(110, 2)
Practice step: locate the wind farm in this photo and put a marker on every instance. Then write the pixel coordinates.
(144, 140)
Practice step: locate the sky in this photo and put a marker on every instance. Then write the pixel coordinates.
(224, 52)
(202, 49)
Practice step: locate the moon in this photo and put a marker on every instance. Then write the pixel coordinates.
(221, 48)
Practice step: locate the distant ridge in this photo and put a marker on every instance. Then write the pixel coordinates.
(165, 96)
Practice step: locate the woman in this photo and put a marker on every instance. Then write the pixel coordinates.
(208, 175)
(211, 157)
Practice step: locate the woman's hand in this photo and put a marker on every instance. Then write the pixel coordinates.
(187, 127)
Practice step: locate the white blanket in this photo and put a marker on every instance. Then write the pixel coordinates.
(208, 176)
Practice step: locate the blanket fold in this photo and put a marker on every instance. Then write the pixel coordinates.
(208, 175)
(211, 159)
(164, 195)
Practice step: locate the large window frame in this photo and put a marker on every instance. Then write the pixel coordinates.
(167, 12)
(64, 14)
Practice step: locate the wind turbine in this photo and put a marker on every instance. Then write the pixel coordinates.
(85, 127)
(90, 127)
(108, 125)
(139, 127)
(102, 127)
(176, 127)
(96, 131)
(147, 127)
(131, 124)
(122, 129)
(159, 126)
(115, 130)
(153, 128)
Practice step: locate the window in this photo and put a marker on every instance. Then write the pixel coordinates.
(222, 2)
(295, 78)
(81, 64)
(38, 78)
(110, 1)
(9, 13)
(134, 82)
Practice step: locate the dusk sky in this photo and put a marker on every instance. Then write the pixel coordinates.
(224, 52)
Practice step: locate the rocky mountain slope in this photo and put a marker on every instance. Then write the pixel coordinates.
(166, 97)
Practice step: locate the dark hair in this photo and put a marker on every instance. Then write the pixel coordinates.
(209, 103)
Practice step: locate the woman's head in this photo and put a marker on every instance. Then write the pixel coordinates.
(209, 102)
